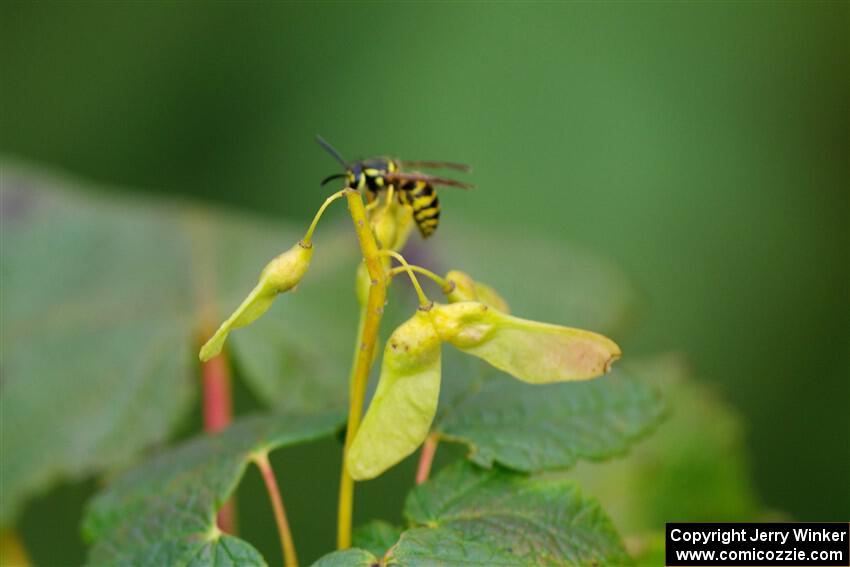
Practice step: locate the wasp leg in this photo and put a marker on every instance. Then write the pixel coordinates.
(390, 195)
(371, 199)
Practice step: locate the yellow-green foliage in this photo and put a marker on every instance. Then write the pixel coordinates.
(280, 275)
(404, 406)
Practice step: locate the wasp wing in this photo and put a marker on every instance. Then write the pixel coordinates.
(435, 165)
(433, 179)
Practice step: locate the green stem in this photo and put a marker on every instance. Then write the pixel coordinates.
(370, 324)
(308, 237)
(445, 285)
(423, 299)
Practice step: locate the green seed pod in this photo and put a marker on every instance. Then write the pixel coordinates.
(280, 275)
(385, 226)
(404, 224)
(392, 225)
(534, 352)
(463, 287)
(489, 296)
(284, 272)
(400, 415)
(466, 289)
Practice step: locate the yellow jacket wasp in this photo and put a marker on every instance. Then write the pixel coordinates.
(415, 189)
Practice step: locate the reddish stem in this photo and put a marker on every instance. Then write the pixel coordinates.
(289, 557)
(217, 399)
(218, 413)
(226, 518)
(426, 459)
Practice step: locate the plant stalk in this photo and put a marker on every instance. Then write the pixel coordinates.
(217, 397)
(370, 325)
(308, 237)
(290, 558)
(426, 458)
(423, 299)
(217, 401)
(445, 285)
(218, 413)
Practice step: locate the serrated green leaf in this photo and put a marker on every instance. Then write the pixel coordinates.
(213, 550)
(550, 426)
(376, 537)
(426, 547)
(538, 519)
(348, 558)
(703, 441)
(442, 547)
(102, 301)
(163, 512)
(470, 516)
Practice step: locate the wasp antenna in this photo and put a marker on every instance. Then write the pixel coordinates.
(331, 150)
(332, 177)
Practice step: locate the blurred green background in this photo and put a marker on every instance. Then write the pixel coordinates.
(703, 147)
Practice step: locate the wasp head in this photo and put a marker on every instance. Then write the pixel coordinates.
(355, 177)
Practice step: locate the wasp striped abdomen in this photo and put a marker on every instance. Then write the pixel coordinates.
(422, 198)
